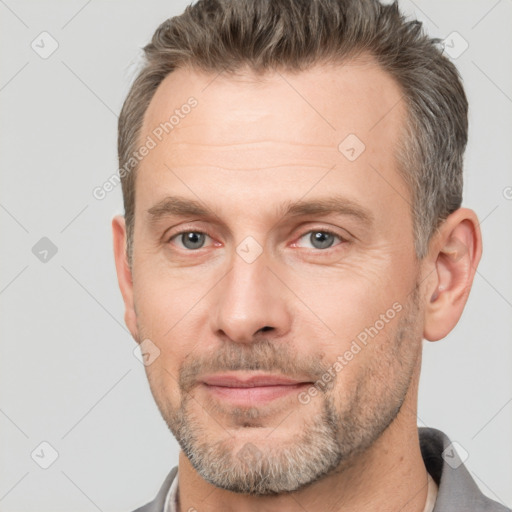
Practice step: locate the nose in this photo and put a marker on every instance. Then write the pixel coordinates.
(248, 301)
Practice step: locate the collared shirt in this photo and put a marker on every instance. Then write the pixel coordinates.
(454, 489)
(171, 501)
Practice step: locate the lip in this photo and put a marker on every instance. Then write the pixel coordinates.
(246, 390)
(233, 380)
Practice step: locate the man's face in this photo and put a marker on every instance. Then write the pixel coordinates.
(301, 265)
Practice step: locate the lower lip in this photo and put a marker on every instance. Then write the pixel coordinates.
(254, 395)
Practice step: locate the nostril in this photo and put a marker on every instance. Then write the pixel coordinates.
(266, 328)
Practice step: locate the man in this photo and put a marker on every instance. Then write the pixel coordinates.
(293, 230)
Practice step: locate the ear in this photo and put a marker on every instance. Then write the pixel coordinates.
(455, 254)
(124, 274)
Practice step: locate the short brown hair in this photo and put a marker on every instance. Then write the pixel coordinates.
(292, 35)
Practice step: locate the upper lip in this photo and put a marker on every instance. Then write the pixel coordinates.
(249, 381)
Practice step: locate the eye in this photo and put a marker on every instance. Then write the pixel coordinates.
(320, 239)
(191, 240)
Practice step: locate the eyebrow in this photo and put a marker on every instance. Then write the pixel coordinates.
(179, 206)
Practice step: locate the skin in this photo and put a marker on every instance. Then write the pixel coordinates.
(252, 144)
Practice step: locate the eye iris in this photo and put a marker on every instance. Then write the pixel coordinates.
(192, 240)
(321, 239)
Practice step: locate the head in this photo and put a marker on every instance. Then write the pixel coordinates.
(295, 212)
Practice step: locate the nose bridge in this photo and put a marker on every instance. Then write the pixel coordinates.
(248, 299)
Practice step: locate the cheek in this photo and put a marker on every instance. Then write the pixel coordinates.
(348, 298)
(162, 315)
(165, 298)
(370, 364)
(164, 388)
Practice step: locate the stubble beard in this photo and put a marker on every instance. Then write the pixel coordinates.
(329, 441)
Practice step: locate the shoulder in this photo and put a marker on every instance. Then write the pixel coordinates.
(157, 505)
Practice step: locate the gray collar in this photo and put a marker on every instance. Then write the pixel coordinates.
(457, 491)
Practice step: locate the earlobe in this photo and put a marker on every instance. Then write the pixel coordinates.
(124, 273)
(456, 254)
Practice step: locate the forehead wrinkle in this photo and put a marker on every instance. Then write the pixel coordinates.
(260, 155)
(246, 143)
(252, 169)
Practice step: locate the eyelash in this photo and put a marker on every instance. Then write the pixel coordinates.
(326, 231)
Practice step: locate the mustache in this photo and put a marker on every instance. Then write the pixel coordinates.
(264, 355)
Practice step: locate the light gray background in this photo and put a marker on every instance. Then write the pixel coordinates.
(68, 375)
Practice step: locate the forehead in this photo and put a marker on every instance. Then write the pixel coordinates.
(297, 123)
(319, 105)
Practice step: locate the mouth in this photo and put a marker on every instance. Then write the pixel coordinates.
(246, 389)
